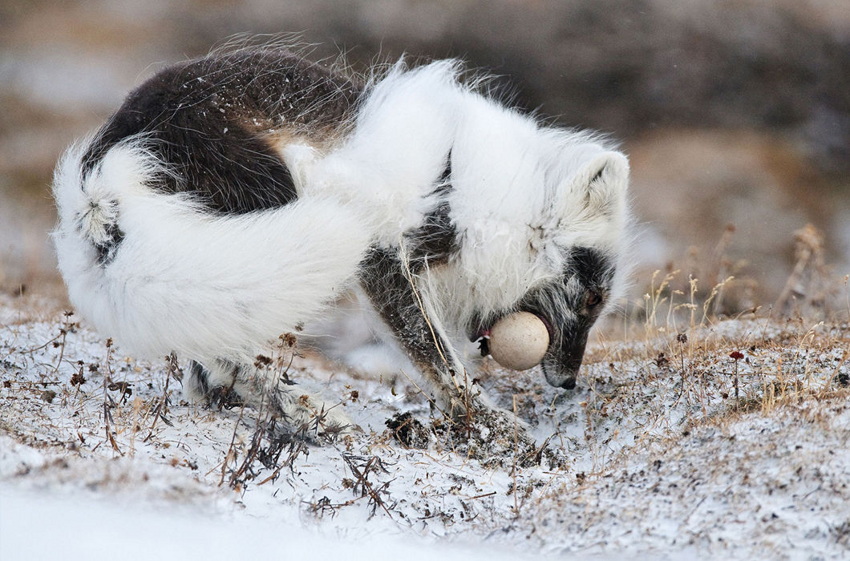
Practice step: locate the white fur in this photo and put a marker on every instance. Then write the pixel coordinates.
(519, 188)
(399, 143)
(187, 281)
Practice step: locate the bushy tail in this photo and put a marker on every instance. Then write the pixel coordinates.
(159, 273)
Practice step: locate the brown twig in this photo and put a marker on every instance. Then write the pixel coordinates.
(230, 450)
(483, 495)
(162, 405)
(107, 399)
(366, 488)
(516, 452)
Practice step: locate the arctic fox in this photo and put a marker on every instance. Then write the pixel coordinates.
(235, 197)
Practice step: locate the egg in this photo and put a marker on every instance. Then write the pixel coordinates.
(519, 341)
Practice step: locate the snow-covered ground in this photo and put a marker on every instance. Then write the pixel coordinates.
(651, 456)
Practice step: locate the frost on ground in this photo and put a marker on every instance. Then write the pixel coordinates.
(723, 439)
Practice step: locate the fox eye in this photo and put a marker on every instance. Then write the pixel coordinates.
(593, 299)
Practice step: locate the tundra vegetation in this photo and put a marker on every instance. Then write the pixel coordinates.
(694, 427)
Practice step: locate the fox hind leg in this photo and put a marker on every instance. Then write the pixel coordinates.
(226, 384)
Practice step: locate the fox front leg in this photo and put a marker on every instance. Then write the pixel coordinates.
(391, 287)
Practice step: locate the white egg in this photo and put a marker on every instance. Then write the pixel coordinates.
(519, 341)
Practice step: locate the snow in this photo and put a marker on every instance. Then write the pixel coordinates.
(47, 527)
(655, 457)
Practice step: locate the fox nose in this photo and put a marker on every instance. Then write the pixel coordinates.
(561, 367)
(559, 376)
(569, 383)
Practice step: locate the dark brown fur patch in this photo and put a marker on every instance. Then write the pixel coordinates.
(212, 123)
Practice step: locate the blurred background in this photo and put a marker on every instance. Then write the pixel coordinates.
(735, 113)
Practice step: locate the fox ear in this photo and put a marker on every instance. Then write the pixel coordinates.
(601, 183)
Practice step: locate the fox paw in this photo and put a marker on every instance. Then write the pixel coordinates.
(312, 419)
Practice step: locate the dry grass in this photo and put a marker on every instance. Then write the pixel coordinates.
(660, 441)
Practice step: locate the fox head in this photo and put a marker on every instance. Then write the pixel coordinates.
(542, 226)
(590, 235)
